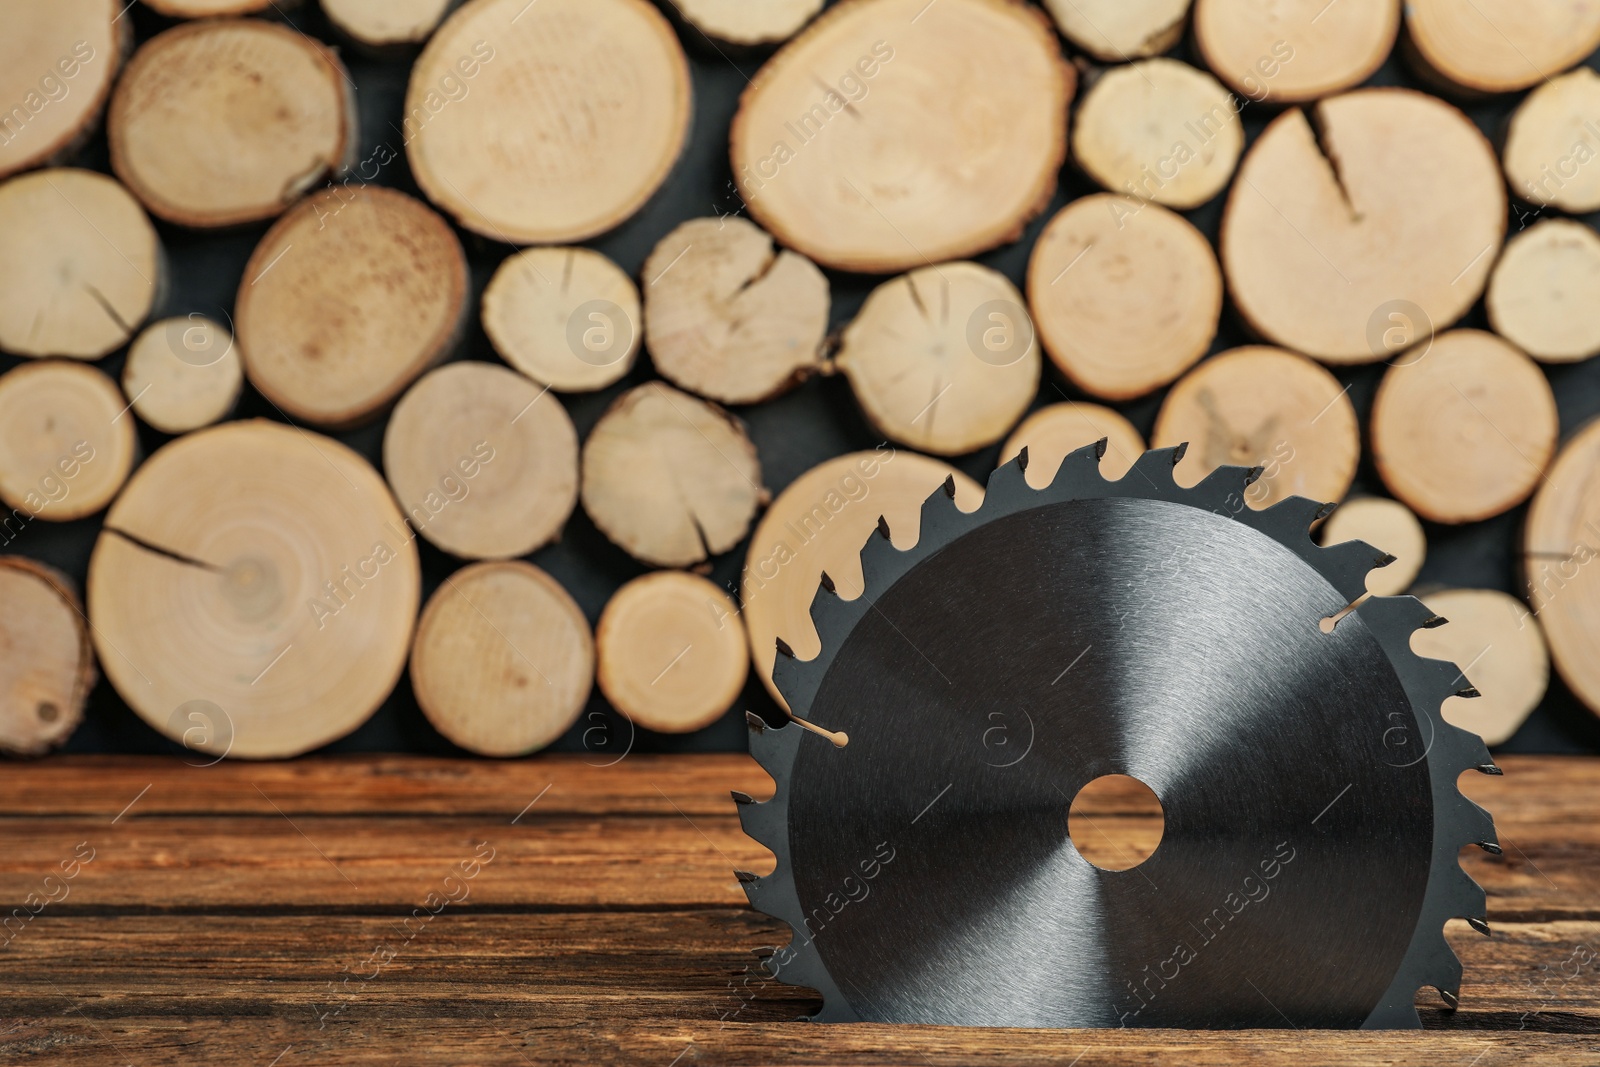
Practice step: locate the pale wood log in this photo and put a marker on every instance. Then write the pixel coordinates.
(896, 133)
(1050, 433)
(1499, 46)
(1158, 130)
(1465, 430)
(200, 9)
(346, 300)
(1560, 544)
(80, 264)
(1552, 142)
(729, 317)
(386, 24)
(1260, 406)
(57, 63)
(818, 525)
(671, 652)
(670, 479)
(943, 359)
(67, 441)
(748, 23)
(1120, 30)
(1126, 295)
(1396, 209)
(46, 661)
(483, 462)
(1289, 51)
(1387, 525)
(547, 122)
(503, 660)
(221, 122)
(567, 317)
(1544, 294)
(1497, 643)
(183, 373)
(254, 590)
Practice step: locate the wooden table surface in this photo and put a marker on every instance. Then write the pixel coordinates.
(401, 910)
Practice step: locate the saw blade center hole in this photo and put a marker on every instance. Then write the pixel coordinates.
(1116, 822)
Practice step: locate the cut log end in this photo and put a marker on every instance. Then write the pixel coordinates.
(1559, 552)
(1497, 643)
(1126, 295)
(1498, 47)
(82, 264)
(566, 317)
(46, 661)
(817, 525)
(671, 652)
(1544, 295)
(483, 462)
(386, 24)
(1052, 432)
(975, 156)
(1259, 406)
(505, 156)
(742, 24)
(59, 61)
(943, 359)
(67, 441)
(221, 122)
(1550, 139)
(1388, 526)
(183, 374)
(1465, 430)
(1159, 130)
(729, 317)
(346, 300)
(1288, 51)
(670, 479)
(503, 660)
(1116, 31)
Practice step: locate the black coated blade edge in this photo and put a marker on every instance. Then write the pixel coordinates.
(1449, 750)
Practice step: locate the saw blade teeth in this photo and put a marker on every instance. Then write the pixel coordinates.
(940, 516)
(1009, 475)
(1226, 485)
(1079, 473)
(796, 679)
(1290, 518)
(1154, 469)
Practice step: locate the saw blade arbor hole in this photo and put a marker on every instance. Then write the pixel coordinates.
(1116, 822)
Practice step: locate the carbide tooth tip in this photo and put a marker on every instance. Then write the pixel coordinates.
(883, 527)
(1480, 925)
(1178, 452)
(1489, 768)
(1437, 620)
(756, 723)
(1384, 560)
(1022, 465)
(1253, 475)
(1100, 447)
(1451, 999)
(1470, 691)
(783, 648)
(741, 797)
(1491, 848)
(827, 582)
(949, 486)
(744, 876)
(1325, 510)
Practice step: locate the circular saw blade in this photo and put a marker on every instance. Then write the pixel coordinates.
(1311, 819)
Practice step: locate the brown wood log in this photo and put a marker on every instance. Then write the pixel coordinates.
(549, 122)
(818, 525)
(254, 590)
(483, 462)
(670, 479)
(57, 63)
(1290, 51)
(183, 373)
(1497, 643)
(1125, 295)
(1465, 430)
(727, 316)
(46, 661)
(895, 133)
(943, 359)
(346, 300)
(742, 24)
(1560, 542)
(1499, 46)
(671, 652)
(1259, 406)
(67, 442)
(80, 264)
(567, 317)
(1115, 31)
(503, 659)
(1390, 210)
(1158, 130)
(386, 24)
(1057, 429)
(1552, 140)
(221, 122)
(1544, 295)
(1387, 525)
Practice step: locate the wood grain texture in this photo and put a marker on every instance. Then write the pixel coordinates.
(598, 923)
